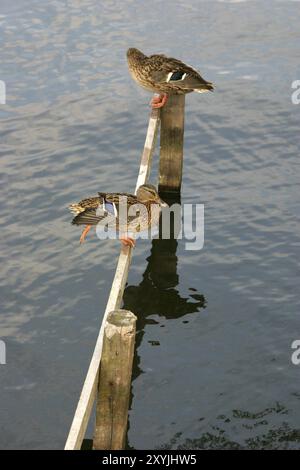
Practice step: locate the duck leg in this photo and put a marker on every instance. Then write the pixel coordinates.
(84, 233)
(159, 101)
(127, 241)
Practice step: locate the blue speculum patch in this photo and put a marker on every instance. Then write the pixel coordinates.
(176, 76)
(109, 207)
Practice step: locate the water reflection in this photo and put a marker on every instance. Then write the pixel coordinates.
(157, 293)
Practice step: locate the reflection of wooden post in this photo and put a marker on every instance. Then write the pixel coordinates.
(171, 144)
(114, 381)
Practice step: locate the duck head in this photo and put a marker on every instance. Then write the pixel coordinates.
(134, 55)
(148, 193)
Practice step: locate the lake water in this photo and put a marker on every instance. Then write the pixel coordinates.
(213, 361)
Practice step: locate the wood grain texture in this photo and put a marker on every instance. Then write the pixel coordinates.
(171, 144)
(115, 381)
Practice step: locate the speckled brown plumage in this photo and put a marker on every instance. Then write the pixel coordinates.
(92, 210)
(162, 74)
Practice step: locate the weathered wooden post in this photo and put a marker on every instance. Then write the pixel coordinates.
(114, 381)
(171, 144)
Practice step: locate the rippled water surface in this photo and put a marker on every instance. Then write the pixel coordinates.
(213, 362)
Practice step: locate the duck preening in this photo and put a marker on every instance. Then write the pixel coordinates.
(165, 76)
(106, 208)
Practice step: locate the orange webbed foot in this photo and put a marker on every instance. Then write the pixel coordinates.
(159, 101)
(84, 234)
(127, 241)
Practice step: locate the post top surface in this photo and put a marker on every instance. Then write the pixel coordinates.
(121, 317)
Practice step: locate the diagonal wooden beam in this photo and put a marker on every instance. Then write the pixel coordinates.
(89, 390)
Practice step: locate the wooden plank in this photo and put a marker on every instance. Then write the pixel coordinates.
(115, 381)
(88, 393)
(171, 144)
(146, 160)
(89, 389)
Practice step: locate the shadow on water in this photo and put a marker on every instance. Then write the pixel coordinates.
(157, 293)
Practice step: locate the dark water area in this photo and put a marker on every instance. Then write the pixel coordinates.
(213, 362)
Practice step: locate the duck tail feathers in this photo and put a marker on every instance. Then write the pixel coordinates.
(203, 87)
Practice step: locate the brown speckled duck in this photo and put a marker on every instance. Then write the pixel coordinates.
(93, 210)
(164, 75)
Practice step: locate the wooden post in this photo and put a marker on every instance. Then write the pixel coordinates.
(171, 144)
(114, 381)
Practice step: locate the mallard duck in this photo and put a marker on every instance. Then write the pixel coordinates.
(164, 75)
(106, 207)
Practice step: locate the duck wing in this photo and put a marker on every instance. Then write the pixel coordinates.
(81, 206)
(87, 217)
(105, 207)
(176, 74)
